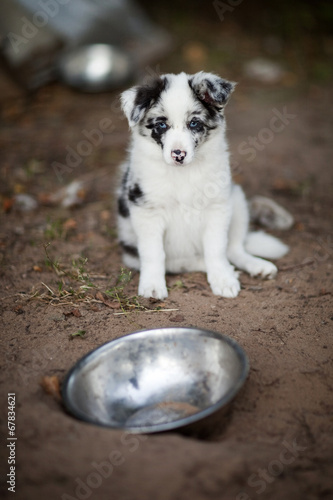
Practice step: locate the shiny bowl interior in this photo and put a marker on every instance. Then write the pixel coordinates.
(156, 380)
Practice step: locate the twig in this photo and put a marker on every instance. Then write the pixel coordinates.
(99, 276)
(146, 311)
(297, 266)
(49, 289)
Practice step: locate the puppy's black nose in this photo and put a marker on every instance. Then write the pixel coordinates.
(178, 155)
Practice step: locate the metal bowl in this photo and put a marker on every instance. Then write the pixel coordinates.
(156, 380)
(96, 67)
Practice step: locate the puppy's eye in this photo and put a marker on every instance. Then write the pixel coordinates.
(195, 124)
(161, 126)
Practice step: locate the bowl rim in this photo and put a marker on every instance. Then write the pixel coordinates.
(168, 426)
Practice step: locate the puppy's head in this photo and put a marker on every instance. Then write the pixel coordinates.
(177, 113)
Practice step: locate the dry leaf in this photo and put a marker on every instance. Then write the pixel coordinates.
(178, 318)
(7, 204)
(152, 300)
(19, 188)
(51, 386)
(18, 310)
(113, 304)
(105, 215)
(299, 226)
(99, 296)
(284, 185)
(45, 199)
(69, 224)
(74, 312)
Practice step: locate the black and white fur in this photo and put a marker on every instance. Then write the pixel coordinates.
(178, 208)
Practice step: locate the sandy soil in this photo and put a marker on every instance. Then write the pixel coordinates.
(277, 441)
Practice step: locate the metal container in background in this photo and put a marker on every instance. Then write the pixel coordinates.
(40, 37)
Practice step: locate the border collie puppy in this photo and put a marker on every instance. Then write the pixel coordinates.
(178, 210)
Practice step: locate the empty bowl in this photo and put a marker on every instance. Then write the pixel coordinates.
(157, 380)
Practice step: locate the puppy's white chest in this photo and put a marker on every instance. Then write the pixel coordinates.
(186, 191)
(184, 230)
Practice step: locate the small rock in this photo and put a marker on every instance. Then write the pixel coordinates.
(24, 203)
(68, 196)
(264, 70)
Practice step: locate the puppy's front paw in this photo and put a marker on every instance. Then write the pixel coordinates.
(225, 285)
(153, 288)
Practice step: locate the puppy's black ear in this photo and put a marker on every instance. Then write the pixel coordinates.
(211, 89)
(137, 100)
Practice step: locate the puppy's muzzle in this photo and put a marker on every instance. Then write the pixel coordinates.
(178, 156)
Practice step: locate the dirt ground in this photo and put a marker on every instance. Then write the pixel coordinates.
(277, 441)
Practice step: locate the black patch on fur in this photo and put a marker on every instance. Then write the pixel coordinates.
(213, 95)
(152, 122)
(135, 193)
(211, 123)
(204, 124)
(130, 249)
(218, 93)
(199, 126)
(148, 95)
(123, 209)
(212, 110)
(157, 137)
(157, 131)
(125, 177)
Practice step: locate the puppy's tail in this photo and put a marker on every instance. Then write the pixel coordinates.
(264, 245)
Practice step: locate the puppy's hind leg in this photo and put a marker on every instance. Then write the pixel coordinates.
(238, 232)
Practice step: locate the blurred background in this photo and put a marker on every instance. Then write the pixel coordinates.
(60, 115)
